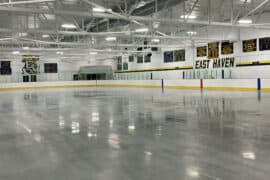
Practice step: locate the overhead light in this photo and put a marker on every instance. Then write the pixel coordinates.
(25, 48)
(128, 33)
(142, 30)
(141, 4)
(60, 52)
(96, 9)
(156, 25)
(245, 1)
(45, 36)
(192, 33)
(102, 10)
(23, 34)
(245, 21)
(93, 53)
(68, 26)
(16, 52)
(188, 17)
(110, 38)
(155, 40)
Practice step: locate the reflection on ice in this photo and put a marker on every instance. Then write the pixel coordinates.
(75, 127)
(249, 155)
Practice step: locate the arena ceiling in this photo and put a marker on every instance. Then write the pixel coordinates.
(108, 27)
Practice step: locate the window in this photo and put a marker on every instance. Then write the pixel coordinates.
(139, 59)
(5, 68)
(168, 56)
(125, 66)
(131, 59)
(50, 67)
(147, 58)
(25, 78)
(119, 63)
(179, 55)
(75, 77)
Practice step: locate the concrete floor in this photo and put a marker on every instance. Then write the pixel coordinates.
(134, 134)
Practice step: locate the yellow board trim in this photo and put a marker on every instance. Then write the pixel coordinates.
(137, 86)
(244, 63)
(251, 62)
(264, 62)
(154, 69)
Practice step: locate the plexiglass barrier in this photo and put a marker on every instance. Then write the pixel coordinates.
(133, 76)
(208, 74)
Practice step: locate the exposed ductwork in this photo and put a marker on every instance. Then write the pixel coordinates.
(145, 10)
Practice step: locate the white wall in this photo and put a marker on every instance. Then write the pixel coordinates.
(17, 65)
(235, 34)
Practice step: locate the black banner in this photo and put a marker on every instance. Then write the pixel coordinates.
(168, 56)
(5, 68)
(264, 44)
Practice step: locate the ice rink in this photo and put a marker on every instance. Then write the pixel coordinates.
(134, 134)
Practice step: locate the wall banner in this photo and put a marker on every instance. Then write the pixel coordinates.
(216, 63)
(226, 47)
(202, 51)
(250, 45)
(213, 50)
(31, 64)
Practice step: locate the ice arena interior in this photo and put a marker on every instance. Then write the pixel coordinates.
(134, 89)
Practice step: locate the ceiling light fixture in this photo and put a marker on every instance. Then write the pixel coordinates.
(93, 53)
(96, 9)
(245, 21)
(141, 4)
(45, 36)
(60, 52)
(25, 48)
(68, 26)
(192, 33)
(156, 25)
(155, 40)
(101, 10)
(188, 17)
(110, 38)
(16, 52)
(142, 30)
(23, 34)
